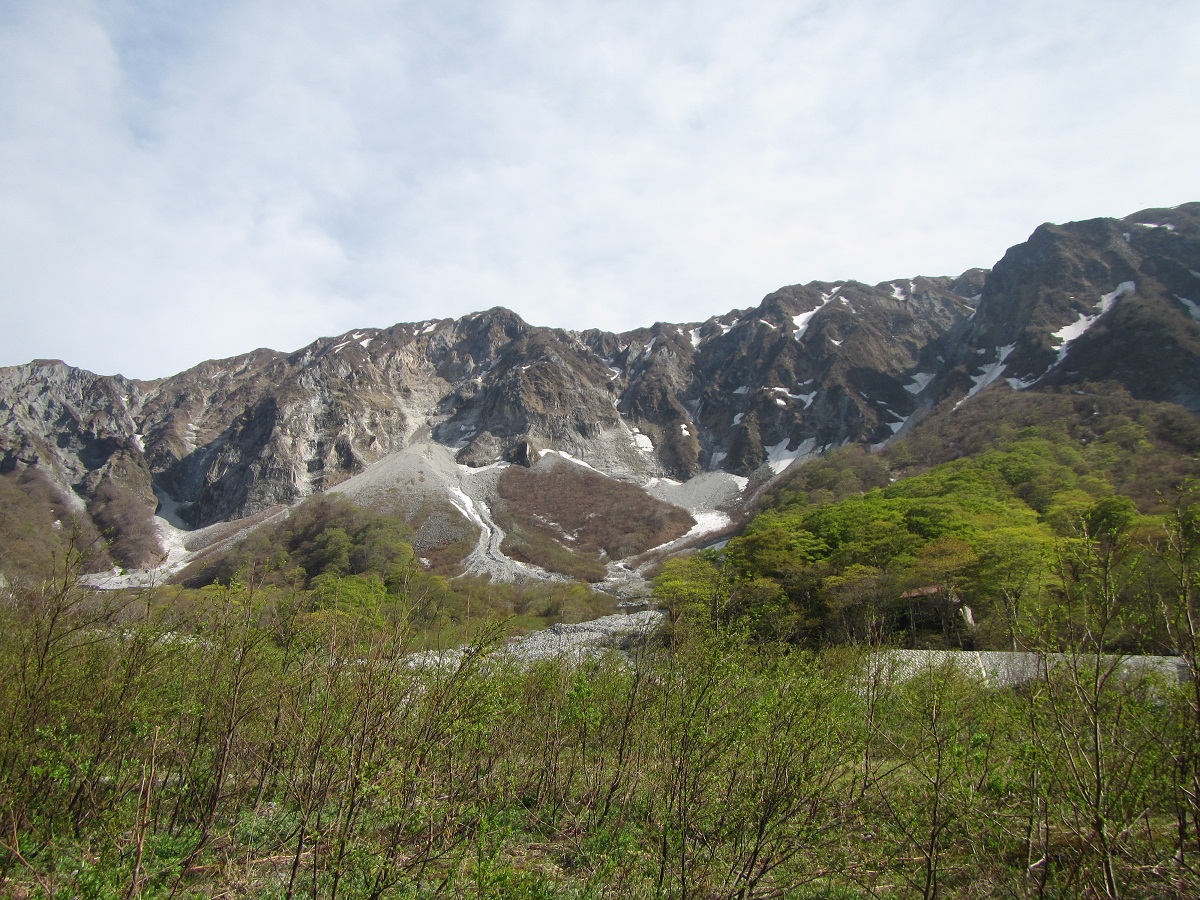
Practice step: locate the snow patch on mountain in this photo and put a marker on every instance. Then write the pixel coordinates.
(920, 382)
(990, 373)
(656, 480)
(779, 457)
(465, 505)
(1020, 384)
(706, 523)
(803, 320)
(1192, 308)
(1068, 334)
(642, 442)
(542, 454)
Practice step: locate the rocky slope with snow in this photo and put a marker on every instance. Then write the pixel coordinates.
(737, 397)
(1105, 299)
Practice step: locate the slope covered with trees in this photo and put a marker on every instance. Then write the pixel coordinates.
(332, 561)
(972, 552)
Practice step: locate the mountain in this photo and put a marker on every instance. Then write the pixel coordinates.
(1104, 299)
(427, 417)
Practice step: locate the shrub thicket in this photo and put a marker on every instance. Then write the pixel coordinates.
(37, 524)
(248, 751)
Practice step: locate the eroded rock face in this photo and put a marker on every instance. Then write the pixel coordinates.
(234, 437)
(1105, 299)
(819, 364)
(811, 367)
(79, 429)
(543, 388)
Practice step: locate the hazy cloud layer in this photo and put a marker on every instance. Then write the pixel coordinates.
(184, 180)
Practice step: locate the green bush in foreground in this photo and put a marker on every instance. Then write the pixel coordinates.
(256, 752)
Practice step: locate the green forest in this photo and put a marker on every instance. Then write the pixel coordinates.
(263, 729)
(980, 551)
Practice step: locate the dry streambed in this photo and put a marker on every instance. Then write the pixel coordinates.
(575, 641)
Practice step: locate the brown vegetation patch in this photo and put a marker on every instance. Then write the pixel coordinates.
(127, 522)
(570, 519)
(441, 536)
(34, 521)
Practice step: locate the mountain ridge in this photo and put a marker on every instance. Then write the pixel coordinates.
(743, 393)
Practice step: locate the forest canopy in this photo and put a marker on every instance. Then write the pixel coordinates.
(973, 552)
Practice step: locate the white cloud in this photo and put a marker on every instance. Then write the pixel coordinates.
(181, 181)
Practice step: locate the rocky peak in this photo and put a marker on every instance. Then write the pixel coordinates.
(545, 388)
(1088, 301)
(815, 363)
(1059, 272)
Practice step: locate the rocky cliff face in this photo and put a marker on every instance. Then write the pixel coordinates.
(78, 430)
(1104, 299)
(811, 367)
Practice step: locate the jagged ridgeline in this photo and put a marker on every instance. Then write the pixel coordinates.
(424, 419)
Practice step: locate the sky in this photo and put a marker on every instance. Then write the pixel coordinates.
(185, 180)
